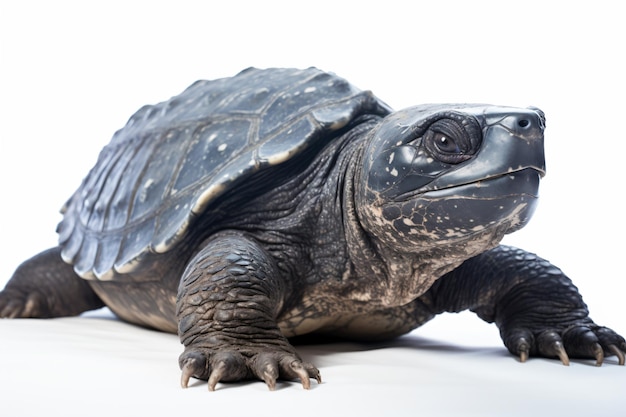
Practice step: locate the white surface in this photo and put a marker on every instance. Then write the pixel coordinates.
(71, 73)
(99, 367)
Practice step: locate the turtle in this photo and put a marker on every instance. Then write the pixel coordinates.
(251, 210)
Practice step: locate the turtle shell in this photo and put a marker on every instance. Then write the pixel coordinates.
(173, 160)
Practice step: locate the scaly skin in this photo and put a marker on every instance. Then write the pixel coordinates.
(45, 286)
(227, 305)
(534, 304)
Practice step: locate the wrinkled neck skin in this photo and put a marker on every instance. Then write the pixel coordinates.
(403, 268)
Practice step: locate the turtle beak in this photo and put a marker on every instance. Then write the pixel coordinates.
(515, 138)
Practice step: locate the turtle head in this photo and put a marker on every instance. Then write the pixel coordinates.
(436, 174)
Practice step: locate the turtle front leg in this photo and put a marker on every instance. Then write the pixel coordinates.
(534, 304)
(228, 300)
(44, 286)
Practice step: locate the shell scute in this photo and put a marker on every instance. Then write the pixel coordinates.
(174, 159)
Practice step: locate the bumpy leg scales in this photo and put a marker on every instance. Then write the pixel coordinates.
(544, 315)
(228, 299)
(45, 286)
(537, 308)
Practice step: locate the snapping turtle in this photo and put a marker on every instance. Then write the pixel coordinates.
(277, 203)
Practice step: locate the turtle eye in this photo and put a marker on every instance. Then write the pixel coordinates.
(448, 141)
(445, 143)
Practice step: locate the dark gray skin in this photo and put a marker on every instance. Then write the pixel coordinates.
(366, 233)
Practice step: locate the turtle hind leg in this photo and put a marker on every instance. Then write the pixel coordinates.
(228, 301)
(44, 286)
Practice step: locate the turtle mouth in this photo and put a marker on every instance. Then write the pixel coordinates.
(524, 181)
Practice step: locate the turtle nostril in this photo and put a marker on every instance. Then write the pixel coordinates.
(523, 123)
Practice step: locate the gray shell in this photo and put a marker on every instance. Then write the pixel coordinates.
(173, 159)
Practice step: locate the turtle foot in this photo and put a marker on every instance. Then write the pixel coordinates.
(587, 341)
(15, 304)
(45, 286)
(230, 366)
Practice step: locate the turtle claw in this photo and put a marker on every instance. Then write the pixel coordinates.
(186, 376)
(558, 350)
(561, 353)
(299, 370)
(270, 382)
(523, 348)
(191, 365)
(598, 352)
(549, 344)
(314, 373)
(216, 375)
(617, 352)
(269, 376)
(266, 369)
(523, 356)
(229, 366)
(583, 341)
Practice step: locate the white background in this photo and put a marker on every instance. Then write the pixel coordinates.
(71, 73)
